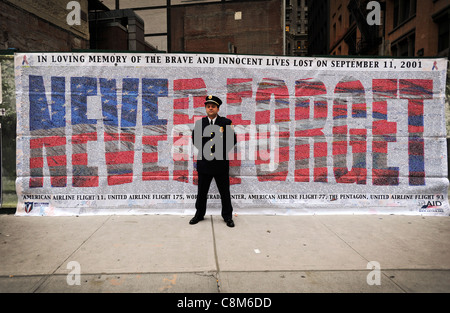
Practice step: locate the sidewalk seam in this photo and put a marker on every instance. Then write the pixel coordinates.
(384, 274)
(47, 276)
(335, 234)
(215, 255)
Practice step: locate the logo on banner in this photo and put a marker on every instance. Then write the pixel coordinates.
(40, 207)
(431, 206)
(28, 207)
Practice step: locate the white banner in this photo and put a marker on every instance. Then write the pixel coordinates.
(110, 133)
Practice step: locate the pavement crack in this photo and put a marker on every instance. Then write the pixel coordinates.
(340, 238)
(215, 255)
(42, 281)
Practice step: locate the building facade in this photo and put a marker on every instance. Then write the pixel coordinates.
(297, 15)
(318, 27)
(244, 27)
(119, 30)
(220, 26)
(417, 28)
(29, 25)
(62, 25)
(402, 28)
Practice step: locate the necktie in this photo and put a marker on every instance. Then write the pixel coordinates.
(212, 135)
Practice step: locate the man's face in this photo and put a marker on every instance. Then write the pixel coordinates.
(211, 110)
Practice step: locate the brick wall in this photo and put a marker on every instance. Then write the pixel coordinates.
(25, 31)
(213, 28)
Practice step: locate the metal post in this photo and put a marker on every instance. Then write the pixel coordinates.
(2, 113)
(169, 37)
(283, 5)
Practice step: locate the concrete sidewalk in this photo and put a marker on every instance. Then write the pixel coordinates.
(279, 254)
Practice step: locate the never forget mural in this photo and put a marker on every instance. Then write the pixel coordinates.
(110, 133)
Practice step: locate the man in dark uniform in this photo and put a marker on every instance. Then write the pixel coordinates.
(214, 137)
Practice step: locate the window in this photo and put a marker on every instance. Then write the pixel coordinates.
(443, 33)
(403, 10)
(404, 46)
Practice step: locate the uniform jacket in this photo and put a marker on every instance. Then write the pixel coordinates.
(213, 143)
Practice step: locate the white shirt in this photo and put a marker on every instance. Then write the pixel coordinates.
(213, 120)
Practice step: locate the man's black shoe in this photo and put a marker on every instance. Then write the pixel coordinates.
(230, 223)
(195, 220)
